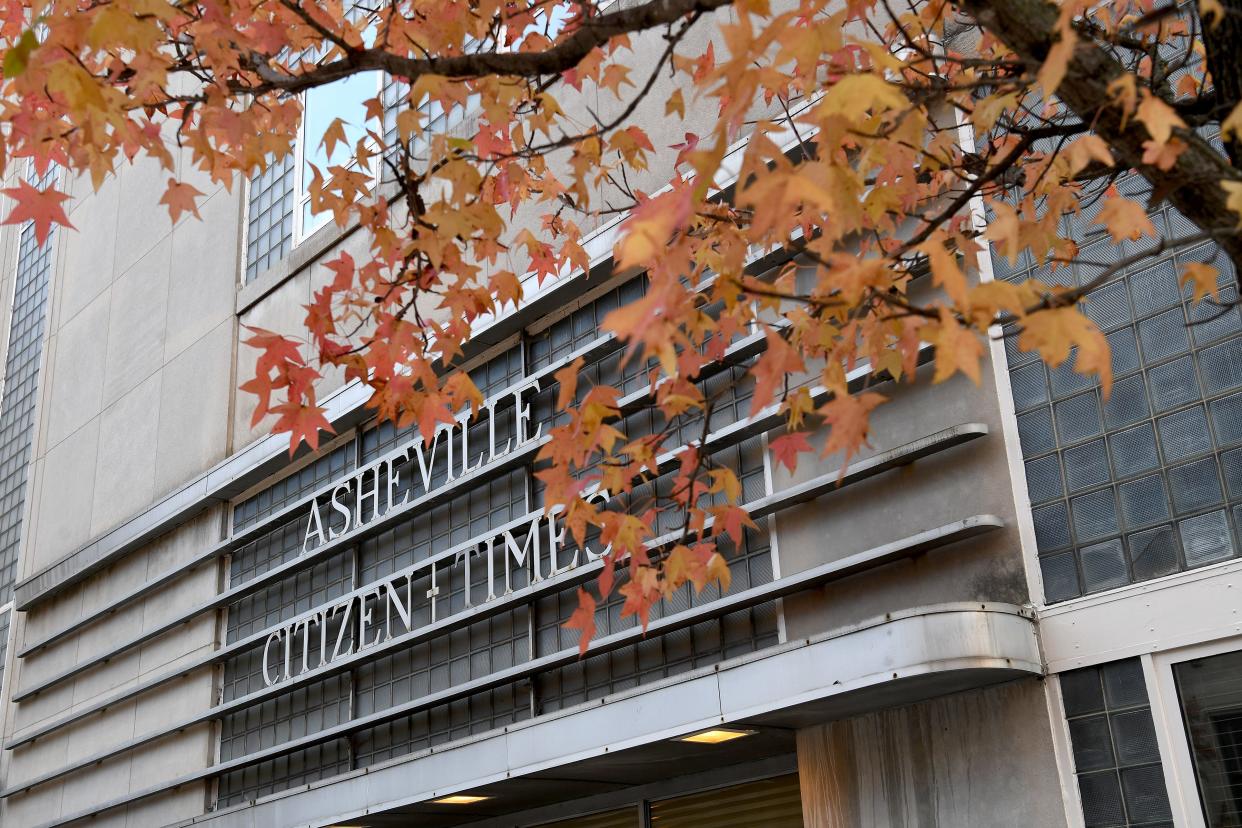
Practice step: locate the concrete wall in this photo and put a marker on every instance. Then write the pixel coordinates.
(135, 398)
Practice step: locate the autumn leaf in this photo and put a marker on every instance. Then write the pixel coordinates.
(1233, 198)
(848, 417)
(1053, 333)
(1159, 118)
(1201, 277)
(646, 233)
(582, 619)
(1125, 219)
(42, 207)
(303, 422)
(180, 199)
(787, 447)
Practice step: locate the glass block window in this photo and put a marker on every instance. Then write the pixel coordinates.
(1210, 694)
(480, 647)
(269, 217)
(315, 475)
(1116, 758)
(21, 386)
(1149, 481)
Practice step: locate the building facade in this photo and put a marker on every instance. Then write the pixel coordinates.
(1017, 607)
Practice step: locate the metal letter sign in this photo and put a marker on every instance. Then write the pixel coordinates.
(376, 613)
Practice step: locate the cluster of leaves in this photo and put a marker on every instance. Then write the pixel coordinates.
(862, 143)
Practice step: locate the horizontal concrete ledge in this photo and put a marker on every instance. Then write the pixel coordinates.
(893, 660)
(911, 546)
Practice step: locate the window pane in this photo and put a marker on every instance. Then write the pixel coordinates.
(1210, 693)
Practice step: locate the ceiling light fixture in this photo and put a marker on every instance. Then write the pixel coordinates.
(459, 799)
(716, 736)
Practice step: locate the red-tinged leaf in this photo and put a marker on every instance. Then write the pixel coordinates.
(180, 199)
(734, 520)
(777, 362)
(303, 422)
(567, 380)
(787, 447)
(583, 620)
(650, 225)
(43, 207)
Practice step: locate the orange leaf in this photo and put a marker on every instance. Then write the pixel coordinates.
(303, 422)
(583, 619)
(43, 207)
(180, 199)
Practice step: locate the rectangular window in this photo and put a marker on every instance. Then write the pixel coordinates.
(321, 106)
(1209, 692)
(1116, 758)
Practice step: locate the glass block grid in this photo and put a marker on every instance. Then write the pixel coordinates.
(269, 225)
(1149, 481)
(332, 466)
(486, 646)
(662, 656)
(1116, 758)
(21, 385)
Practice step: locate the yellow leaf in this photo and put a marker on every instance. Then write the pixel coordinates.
(944, 269)
(1202, 277)
(1125, 219)
(1084, 150)
(1158, 117)
(1211, 9)
(854, 95)
(1233, 124)
(675, 103)
(957, 349)
(1054, 332)
(1057, 62)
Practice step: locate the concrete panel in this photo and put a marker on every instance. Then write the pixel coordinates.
(173, 702)
(142, 220)
(966, 480)
(281, 311)
(67, 494)
(125, 474)
(203, 276)
(136, 323)
(979, 758)
(97, 784)
(98, 732)
(86, 271)
(76, 389)
(170, 758)
(34, 807)
(194, 409)
(164, 810)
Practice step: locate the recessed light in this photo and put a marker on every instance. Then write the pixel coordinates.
(459, 799)
(716, 736)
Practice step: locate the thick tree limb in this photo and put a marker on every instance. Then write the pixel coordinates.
(566, 54)
(1192, 184)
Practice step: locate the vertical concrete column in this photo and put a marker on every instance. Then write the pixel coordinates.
(826, 776)
(976, 758)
